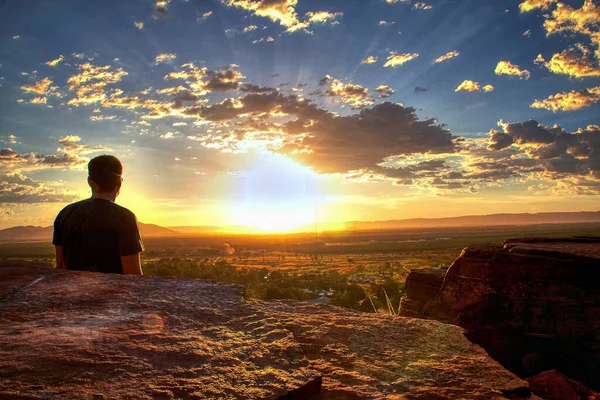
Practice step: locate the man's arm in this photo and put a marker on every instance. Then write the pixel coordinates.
(131, 264)
(60, 258)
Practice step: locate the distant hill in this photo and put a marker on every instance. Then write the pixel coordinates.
(416, 223)
(475, 220)
(44, 233)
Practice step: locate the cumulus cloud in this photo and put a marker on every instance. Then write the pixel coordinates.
(369, 60)
(138, 25)
(539, 60)
(56, 61)
(250, 28)
(161, 10)
(529, 5)
(165, 57)
(574, 100)
(395, 60)
(16, 188)
(471, 86)
(356, 95)
(468, 86)
(201, 80)
(420, 89)
(90, 83)
(266, 39)
(508, 68)
(384, 91)
(575, 62)
(283, 12)
(447, 56)
(558, 153)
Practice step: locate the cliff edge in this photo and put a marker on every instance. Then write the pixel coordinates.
(79, 335)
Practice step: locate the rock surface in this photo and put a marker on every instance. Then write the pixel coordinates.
(552, 385)
(85, 335)
(534, 304)
(422, 287)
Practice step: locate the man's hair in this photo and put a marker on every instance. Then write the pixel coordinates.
(105, 171)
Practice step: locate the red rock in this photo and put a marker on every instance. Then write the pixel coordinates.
(77, 335)
(552, 385)
(517, 299)
(422, 286)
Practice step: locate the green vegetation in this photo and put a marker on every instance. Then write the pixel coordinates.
(359, 270)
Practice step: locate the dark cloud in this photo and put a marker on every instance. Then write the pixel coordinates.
(553, 150)
(420, 89)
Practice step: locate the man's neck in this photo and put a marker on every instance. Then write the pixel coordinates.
(106, 196)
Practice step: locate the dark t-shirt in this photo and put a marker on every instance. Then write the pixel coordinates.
(95, 233)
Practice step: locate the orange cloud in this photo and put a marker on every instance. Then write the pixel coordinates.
(90, 83)
(394, 60)
(574, 62)
(43, 87)
(447, 56)
(356, 95)
(55, 62)
(529, 5)
(468, 86)
(165, 57)
(573, 100)
(508, 68)
(369, 60)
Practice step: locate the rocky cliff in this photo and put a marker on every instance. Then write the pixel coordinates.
(76, 335)
(533, 304)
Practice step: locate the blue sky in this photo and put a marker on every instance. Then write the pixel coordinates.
(175, 168)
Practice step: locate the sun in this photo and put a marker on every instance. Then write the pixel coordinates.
(276, 195)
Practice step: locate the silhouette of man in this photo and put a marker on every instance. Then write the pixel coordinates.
(96, 234)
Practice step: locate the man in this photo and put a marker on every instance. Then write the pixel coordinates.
(96, 234)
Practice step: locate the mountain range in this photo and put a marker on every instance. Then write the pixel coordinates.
(39, 233)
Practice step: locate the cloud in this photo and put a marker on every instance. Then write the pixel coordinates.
(250, 28)
(421, 6)
(574, 100)
(138, 25)
(42, 87)
(529, 5)
(558, 153)
(322, 17)
(284, 13)
(356, 95)
(468, 86)
(89, 84)
(369, 60)
(55, 62)
(385, 23)
(16, 188)
(384, 91)
(395, 60)
(447, 56)
(488, 88)
(420, 89)
(263, 39)
(539, 60)
(161, 10)
(527, 33)
(165, 57)
(206, 15)
(574, 62)
(508, 68)
(201, 80)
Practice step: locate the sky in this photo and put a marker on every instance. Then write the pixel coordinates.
(278, 113)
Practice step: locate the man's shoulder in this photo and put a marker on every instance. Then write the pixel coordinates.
(100, 204)
(120, 210)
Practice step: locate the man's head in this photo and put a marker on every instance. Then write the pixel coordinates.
(104, 174)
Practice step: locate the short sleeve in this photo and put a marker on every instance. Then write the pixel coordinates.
(57, 237)
(128, 236)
